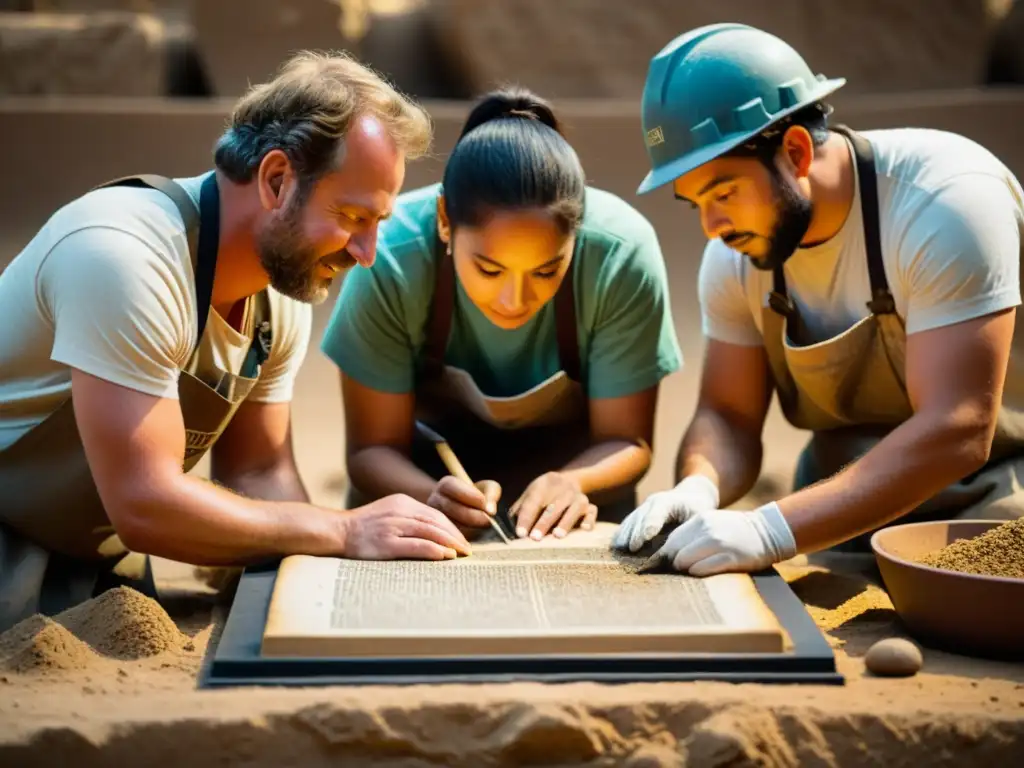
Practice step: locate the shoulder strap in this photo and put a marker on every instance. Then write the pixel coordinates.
(189, 213)
(443, 304)
(441, 307)
(881, 298)
(566, 327)
(202, 230)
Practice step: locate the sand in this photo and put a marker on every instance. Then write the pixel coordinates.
(116, 677)
(998, 552)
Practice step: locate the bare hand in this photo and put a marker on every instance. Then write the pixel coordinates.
(553, 499)
(399, 527)
(464, 504)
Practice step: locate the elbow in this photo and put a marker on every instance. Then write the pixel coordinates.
(976, 451)
(136, 536)
(137, 514)
(971, 446)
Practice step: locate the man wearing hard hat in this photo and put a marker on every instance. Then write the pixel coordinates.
(870, 279)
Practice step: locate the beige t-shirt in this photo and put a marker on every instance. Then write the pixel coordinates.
(952, 222)
(106, 286)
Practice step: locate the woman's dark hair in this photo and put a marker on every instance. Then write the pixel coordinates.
(511, 154)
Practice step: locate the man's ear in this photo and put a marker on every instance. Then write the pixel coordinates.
(275, 179)
(444, 230)
(798, 150)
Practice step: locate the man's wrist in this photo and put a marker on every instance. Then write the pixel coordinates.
(702, 486)
(777, 531)
(322, 532)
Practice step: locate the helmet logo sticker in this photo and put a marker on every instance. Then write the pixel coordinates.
(654, 137)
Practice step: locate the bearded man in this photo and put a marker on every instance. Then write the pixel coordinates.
(152, 320)
(870, 280)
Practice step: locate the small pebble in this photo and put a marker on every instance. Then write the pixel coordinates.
(893, 657)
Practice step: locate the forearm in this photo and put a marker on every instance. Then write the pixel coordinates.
(380, 470)
(727, 452)
(280, 483)
(609, 466)
(907, 467)
(190, 520)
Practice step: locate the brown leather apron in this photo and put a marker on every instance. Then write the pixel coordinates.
(850, 390)
(58, 548)
(512, 440)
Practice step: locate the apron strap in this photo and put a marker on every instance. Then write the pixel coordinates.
(565, 326)
(443, 305)
(441, 308)
(881, 302)
(202, 240)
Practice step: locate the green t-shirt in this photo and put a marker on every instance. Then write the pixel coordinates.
(626, 335)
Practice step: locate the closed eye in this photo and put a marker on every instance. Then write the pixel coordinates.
(725, 195)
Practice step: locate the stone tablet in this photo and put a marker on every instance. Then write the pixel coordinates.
(573, 596)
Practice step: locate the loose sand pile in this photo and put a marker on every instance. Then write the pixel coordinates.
(118, 674)
(121, 624)
(997, 552)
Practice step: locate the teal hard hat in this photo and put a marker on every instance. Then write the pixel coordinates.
(715, 87)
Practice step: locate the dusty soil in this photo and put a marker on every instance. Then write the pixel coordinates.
(113, 682)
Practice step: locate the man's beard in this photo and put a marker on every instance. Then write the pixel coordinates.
(289, 259)
(793, 222)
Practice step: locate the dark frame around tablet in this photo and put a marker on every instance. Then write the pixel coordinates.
(236, 660)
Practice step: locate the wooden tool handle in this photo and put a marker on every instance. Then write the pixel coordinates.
(452, 463)
(454, 466)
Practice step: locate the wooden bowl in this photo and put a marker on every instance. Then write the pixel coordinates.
(958, 612)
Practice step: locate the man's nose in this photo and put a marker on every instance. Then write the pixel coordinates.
(714, 222)
(363, 248)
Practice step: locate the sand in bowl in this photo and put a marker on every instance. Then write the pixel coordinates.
(120, 624)
(997, 552)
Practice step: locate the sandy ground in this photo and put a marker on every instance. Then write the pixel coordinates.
(113, 683)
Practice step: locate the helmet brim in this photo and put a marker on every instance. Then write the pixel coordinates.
(659, 177)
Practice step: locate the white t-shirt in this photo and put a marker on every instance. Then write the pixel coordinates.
(106, 286)
(952, 222)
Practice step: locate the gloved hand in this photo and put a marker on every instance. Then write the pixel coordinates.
(728, 540)
(696, 493)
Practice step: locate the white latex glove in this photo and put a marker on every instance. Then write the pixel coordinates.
(696, 493)
(728, 540)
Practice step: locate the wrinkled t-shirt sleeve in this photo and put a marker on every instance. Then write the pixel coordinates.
(634, 344)
(959, 258)
(120, 311)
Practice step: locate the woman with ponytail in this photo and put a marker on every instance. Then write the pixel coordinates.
(521, 314)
